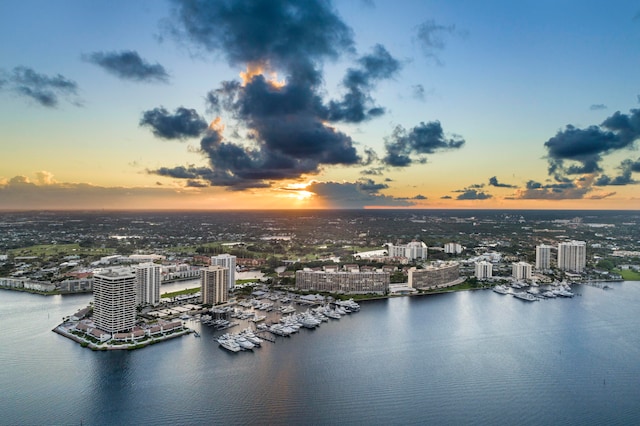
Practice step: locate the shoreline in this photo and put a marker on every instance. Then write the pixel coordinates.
(60, 330)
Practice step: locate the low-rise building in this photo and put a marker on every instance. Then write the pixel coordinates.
(438, 274)
(353, 281)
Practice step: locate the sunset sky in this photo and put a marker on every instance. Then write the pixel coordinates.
(317, 104)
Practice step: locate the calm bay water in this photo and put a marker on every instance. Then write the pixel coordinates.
(458, 358)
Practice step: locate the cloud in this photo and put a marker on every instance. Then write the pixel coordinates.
(627, 167)
(20, 193)
(352, 195)
(370, 186)
(597, 107)
(374, 171)
(432, 38)
(446, 197)
(279, 104)
(45, 178)
(45, 90)
(281, 34)
(493, 181)
(128, 65)
(184, 123)
(584, 148)
(473, 194)
(422, 139)
(418, 92)
(357, 104)
(567, 190)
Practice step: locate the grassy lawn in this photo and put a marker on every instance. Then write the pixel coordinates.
(181, 292)
(628, 274)
(59, 249)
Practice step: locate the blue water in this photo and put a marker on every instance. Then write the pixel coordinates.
(459, 358)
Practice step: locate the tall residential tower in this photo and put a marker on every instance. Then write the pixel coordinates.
(229, 262)
(147, 283)
(213, 284)
(572, 256)
(114, 306)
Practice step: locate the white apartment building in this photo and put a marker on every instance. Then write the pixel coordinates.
(452, 248)
(484, 270)
(213, 284)
(114, 294)
(148, 277)
(572, 256)
(543, 257)
(412, 251)
(228, 261)
(521, 271)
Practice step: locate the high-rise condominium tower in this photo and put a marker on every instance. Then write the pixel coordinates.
(147, 284)
(213, 284)
(114, 306)
(572, 256)
(229, 262)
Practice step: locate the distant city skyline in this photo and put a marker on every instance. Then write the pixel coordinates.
(319, 104)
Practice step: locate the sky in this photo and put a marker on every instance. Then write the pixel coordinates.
(285, 104)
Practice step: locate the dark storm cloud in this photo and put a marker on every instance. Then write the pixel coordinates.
(493, 181)
(128, 65)
(41, 88)
(357, 104)
(472, 194)
(597, 107)
(283, 34)
(288, 125)
(422, 139)
(585, 147)
(183, 123)
(627, 167)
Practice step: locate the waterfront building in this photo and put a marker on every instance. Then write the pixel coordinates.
(353, 281)
(213, 284)
(521, 271)
(452, 248)
(572, 256)
(114, 294)
(439, 274)
(228, 261)
(543, 257)
(148, 277)
(483, 270)
(412, 251)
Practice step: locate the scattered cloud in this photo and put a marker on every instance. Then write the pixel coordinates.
(579, 188)
(183, 123)
(432, 38)
(473, 194)
(493, 181)
(446, 197)
(597, 107)
(357, 104)
(627, 167)
(425, 138)
(584, 148)
(128, 65)
(44, 90)
(352, 195)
